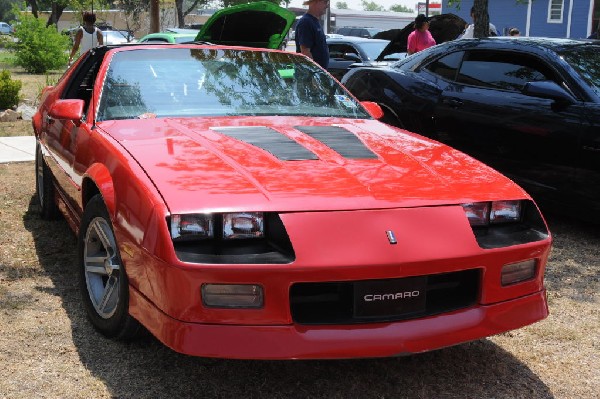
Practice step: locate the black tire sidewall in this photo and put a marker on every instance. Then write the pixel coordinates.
(48, 208)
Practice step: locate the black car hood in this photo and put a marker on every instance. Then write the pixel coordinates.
(443, 28)
(260, 24)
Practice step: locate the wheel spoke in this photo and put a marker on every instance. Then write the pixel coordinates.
(110, 289)
(95, 269)
(104, 239)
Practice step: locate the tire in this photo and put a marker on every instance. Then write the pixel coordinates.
(44, 187)
(102, 278)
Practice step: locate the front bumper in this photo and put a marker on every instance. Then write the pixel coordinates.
(340, 341)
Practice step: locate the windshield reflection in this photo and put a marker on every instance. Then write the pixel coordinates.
(219, 82)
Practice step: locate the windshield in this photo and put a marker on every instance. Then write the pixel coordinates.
(585, 59)
(373, 48)
(184, 82)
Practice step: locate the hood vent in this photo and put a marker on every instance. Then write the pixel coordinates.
(340, 140)
(269, 140)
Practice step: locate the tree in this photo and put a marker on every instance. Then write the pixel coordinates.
(480, 14)
(371, 6)
(400, 8)
(181, 13)
(341, 5)
(7, 12)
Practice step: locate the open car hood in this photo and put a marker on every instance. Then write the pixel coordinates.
(443, 28)
(260, 24)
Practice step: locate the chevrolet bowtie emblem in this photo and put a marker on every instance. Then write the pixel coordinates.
(391, 237)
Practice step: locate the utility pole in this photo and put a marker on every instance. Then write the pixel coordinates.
(154, 16)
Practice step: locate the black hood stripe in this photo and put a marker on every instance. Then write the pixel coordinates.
(340, 140)
(269, 140)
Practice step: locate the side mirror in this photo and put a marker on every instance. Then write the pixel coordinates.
(548, 89)
(67, 109)
(373, 109)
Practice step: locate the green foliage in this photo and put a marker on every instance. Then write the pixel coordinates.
(371, 6)
(7, 10)
(39, 48)
(341, 5)
(9, 90)
(401, 8)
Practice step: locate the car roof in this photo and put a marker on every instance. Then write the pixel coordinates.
(555, 44)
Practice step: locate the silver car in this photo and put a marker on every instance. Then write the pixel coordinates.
(6, 29)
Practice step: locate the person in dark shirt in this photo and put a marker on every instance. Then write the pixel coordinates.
(310, 38)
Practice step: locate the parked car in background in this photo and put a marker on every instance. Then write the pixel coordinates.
(173, 35)
(6, 29)
(368, 33)
(347, 52)
(115, 36)
(525, 106)
(240, 203)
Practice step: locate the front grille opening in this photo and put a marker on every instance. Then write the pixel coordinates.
(333, 302)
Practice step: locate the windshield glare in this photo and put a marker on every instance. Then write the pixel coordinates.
(219, 82)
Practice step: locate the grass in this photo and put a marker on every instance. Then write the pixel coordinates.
(48, 349)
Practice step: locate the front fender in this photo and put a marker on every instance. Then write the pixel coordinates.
(98, 176)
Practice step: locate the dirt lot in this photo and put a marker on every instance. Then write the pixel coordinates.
(49, 350)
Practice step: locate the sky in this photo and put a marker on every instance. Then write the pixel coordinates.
(357, 4)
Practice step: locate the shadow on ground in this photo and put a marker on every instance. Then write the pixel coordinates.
(146, 368)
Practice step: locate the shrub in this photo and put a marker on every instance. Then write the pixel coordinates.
(9, 90)
(39, 48)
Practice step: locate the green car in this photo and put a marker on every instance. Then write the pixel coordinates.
(173, 35)
(259, 24)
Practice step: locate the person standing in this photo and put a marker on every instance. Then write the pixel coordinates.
(420, 38)
(88, 36)
(309, 36)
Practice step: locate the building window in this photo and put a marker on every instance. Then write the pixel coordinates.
(555, 11)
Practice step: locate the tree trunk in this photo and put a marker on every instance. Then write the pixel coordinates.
(481, 18)
(154, 16)
(180, 16)
(34, 7)
(55, 15)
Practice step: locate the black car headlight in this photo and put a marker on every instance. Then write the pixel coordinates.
(234, 237)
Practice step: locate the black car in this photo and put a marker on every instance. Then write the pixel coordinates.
(347, 52)
(529, 107)
(358, 31)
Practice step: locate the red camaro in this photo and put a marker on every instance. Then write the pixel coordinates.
(240, 203)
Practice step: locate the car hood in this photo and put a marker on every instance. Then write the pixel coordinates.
(443, 28)
(259, 24)
(298, 163)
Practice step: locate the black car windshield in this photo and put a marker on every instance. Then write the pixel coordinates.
(585, 59)
(181, 82)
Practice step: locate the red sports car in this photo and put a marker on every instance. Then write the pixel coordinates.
(240, 203)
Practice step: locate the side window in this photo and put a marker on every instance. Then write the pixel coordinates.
(502, 70)
(156, 40)
(338, 50)
(82, 84)
(447, 66)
